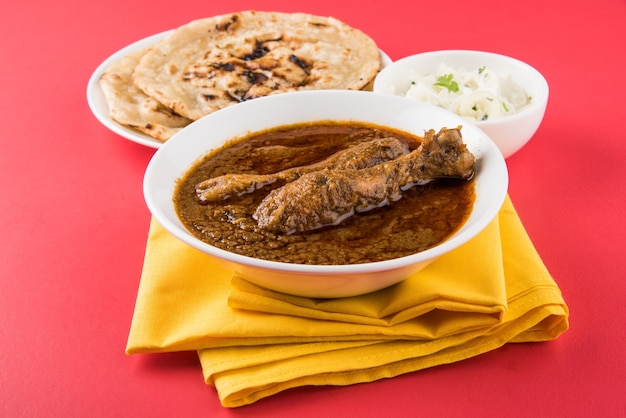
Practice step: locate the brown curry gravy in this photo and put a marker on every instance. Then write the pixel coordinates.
(424, 217)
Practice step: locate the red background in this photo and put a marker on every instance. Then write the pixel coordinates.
(74, 222)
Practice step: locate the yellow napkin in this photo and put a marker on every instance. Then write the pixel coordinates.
(253, 343)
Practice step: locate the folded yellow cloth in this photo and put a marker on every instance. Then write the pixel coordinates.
(253, 342)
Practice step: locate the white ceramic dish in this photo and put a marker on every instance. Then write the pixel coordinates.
(178, 154)
(99, 107)
(511, 132)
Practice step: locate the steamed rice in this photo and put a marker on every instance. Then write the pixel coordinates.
(478, 94)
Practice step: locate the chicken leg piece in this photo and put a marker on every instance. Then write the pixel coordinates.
(329, 196)
(359, 156)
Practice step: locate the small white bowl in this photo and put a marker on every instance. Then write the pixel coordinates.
(179, 153)
(510, 132)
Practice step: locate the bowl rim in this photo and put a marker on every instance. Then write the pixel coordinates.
(536, 103)
(179, 231)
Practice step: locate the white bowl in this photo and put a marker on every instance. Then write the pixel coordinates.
(510, 132)
(178, 154)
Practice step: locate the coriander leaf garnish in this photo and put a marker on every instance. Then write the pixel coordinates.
(448, 82)
(481, 69)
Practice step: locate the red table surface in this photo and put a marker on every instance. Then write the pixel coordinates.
(74, 223)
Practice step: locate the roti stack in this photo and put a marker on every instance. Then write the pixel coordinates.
(215, 62)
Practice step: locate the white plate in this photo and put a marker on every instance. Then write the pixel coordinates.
(100, 109)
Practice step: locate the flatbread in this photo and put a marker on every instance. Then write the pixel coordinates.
(215, 62)
(131, 107)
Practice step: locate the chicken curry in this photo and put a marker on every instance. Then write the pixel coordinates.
(329, 193)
